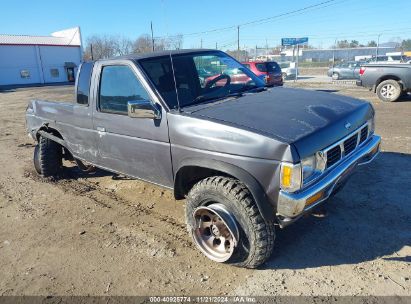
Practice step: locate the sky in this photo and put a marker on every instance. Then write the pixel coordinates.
(210, 22)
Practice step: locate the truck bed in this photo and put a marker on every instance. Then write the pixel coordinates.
(375, 73)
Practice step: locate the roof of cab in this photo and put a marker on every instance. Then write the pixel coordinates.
(161, 53)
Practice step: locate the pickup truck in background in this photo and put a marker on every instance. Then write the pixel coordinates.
(388, 81)
(246, 158)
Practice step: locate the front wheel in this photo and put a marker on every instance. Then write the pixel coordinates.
(226, 224)
(389, 90)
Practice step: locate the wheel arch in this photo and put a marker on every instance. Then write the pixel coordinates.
(45, 128)
(193, 170)
(54, 135)
(388, 77)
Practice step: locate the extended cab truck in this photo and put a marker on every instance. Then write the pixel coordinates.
(389, 81)
(245, 157)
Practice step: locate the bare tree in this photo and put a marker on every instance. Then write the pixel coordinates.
(106, 46)
(176, 42)
(406, 45)
(372, 43)
(100, 47)
(142, 44)
(124, 46)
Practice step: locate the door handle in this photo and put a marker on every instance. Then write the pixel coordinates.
(101, 129)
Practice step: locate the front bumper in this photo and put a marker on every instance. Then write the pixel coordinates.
(292, 205)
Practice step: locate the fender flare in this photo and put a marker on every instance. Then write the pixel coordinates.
(47, 132)
(266, 209)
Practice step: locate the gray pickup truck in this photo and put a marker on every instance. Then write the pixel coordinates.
(246, 158)
(389, 81)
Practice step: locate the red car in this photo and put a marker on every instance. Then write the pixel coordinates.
(236, 77)
(269, 71)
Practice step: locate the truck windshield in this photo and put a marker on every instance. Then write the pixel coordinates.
(199, 77)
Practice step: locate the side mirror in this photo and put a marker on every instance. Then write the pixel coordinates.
(143, 109)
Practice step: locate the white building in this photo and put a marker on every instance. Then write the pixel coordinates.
(40, 59)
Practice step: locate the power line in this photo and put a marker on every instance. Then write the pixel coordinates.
(317, 5)
(288, 13)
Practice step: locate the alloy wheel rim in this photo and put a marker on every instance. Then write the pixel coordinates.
(387, 91)
(215, 232)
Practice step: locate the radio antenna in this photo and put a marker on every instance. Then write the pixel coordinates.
(175, 82)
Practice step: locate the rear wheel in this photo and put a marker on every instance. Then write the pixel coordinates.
(389, 90)
(226, 224)
(48, 158)
(36, 159)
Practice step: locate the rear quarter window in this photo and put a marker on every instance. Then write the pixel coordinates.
(83, 83)
(273, 67)
(261, 67)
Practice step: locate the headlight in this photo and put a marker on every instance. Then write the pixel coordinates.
(312, 167)
(290, 177)
(309, 166)
(294, 176)
(371, 125)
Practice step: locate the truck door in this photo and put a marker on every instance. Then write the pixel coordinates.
(137, 147)
(79, 130)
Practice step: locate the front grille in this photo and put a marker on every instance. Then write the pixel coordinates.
(333, 156)
(363, 134)
(350, 144)
(346, 146)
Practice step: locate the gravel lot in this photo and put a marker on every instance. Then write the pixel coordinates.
(107, 235)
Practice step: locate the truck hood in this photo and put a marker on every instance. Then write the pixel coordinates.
(310, 120)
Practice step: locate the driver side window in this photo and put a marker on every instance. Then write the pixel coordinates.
(118, 86)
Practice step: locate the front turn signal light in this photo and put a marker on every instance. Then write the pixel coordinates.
(315, 198)
(290, 177)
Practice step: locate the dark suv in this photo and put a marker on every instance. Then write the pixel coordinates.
(268, 71)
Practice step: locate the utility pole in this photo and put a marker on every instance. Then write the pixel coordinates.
(201, 43)
(216, 46)
(255, 57)
(296, 62)
(152, 35)
(376, 50)
(238, 42)
(91, 51)
(335, 45)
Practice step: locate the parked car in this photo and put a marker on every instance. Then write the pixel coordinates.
(245, 157)
(236, 76)
(269, 71)
(288, 70)
(203, 74)
(345, 70)
(388, 81)
(388, 59)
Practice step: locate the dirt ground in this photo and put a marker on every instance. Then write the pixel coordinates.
(104, 234)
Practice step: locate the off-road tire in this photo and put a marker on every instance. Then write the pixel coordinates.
(47, 158)
(36, 159)
(256, 236)
(390, 83)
